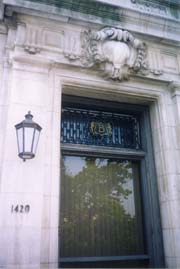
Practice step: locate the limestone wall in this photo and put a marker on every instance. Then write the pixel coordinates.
(42, 57)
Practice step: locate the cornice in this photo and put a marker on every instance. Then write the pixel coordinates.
(124, 15)
(168, 3)
(109, 8)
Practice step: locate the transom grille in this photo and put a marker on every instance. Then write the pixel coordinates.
(80, 126)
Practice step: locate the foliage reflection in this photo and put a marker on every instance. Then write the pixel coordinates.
(100, 207)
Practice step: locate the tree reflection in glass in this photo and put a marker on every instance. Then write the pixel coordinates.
(100, 208)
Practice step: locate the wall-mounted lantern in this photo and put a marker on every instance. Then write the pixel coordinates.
(28, 133)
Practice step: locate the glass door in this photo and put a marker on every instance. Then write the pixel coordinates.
(109, 209)
(101, 216)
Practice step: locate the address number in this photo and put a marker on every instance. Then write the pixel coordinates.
(20, 208)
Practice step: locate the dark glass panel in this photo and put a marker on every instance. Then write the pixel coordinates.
(100, 208)
(79, 126)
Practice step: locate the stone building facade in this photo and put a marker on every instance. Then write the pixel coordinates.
(120, 53)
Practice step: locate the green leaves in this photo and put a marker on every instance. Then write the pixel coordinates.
(98, 207)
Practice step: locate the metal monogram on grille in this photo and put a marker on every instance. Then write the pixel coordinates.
(100, 128)
(80, 126)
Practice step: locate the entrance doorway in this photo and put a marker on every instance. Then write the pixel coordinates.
(105, 189)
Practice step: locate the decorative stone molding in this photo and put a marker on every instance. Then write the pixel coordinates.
(116, 51)
(72, 47)
(71, 56)
(32, 42)
(156, 72)
(150, 7)
(174, 87)
(113, 51)
(32, 49)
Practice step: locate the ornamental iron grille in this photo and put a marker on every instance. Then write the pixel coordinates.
(80, 126)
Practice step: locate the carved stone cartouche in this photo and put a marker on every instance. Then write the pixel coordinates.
(116, 50)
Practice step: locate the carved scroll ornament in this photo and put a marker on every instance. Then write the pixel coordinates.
(116, 51)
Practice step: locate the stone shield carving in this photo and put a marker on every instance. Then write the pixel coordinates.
(116, 51)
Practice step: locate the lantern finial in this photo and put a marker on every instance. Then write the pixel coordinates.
(29, 116)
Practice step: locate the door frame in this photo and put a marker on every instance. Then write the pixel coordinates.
(151, 209)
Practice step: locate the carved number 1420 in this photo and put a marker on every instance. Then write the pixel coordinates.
(20, 208)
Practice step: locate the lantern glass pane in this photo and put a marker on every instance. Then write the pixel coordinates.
(20, 139)
(28, 139)
(36, 138)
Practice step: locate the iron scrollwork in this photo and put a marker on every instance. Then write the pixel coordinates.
(80, 126)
